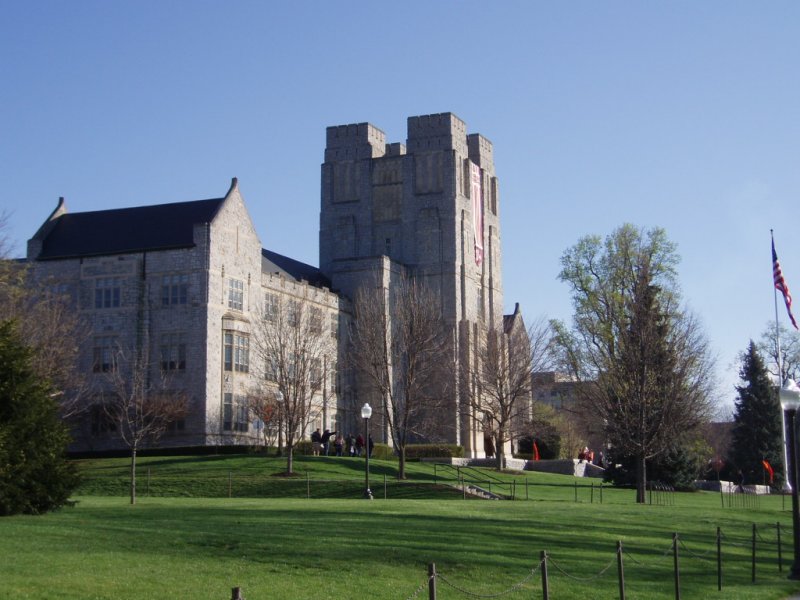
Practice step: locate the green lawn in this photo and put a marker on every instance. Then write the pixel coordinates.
(348, 547)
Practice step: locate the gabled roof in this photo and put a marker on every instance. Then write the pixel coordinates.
(509, 320)
(137, 229)
(272, 262)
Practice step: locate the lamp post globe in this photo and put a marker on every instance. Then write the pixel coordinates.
(790, 402)
(366, 413)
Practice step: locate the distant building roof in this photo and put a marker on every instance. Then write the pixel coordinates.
(117, 231)
(272, 262)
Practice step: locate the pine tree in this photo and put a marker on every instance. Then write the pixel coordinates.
(757, 422)
(35, 475)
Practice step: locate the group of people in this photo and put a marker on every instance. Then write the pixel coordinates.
(588, 456)
(348, 445)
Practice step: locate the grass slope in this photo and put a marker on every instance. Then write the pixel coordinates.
(296, 548)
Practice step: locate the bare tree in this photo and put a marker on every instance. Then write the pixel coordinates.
(49, 325)
(263, 406)
(138, 401)
(292, 345)
(507, 359)
(399, 347)
(789, 342)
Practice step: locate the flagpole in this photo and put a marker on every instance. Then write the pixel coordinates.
(787, 487)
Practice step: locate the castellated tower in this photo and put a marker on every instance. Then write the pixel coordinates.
(431, 208)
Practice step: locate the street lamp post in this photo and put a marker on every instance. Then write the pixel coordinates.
(366, 413)
(790, 402)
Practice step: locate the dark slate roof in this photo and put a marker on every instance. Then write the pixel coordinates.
(272, 262)
(138, 229)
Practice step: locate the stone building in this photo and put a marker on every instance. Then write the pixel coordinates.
(190, 277)
(185, 282)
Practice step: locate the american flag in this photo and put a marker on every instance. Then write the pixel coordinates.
(780, 284)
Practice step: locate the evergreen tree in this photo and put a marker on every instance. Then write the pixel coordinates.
(757, 422)
(34, 474)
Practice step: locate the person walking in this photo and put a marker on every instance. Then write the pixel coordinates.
(316, 442)
(326, 440)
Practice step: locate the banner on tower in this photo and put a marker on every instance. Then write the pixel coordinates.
(476, 192)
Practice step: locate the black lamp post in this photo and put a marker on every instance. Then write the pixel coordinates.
(366, 413)
(790, 402)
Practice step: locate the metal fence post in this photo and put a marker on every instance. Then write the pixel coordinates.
(545, 593)
(677, 569)
(236, 594)
(526, 488)
(591, 497)
(719, 560)
(780, 558)
(576, 491)
(308, 485)
(753, 577)
(620, 571)
(230, 483)
(432, 581)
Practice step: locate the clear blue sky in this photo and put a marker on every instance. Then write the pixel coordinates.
(684, 115)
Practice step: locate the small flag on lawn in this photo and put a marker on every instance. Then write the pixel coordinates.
(769, 469)
(780, 284)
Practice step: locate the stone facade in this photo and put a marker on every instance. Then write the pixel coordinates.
(184, 301)
(430, 205)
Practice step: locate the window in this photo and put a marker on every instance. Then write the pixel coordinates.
(174, 289)
(334, 325)
(316, 372)
(293, 314)
(241, 423)
(271, 307)
(315, 323)
(237, 352)
(107, 292)
(173, 352)
(271, 370)
(227, 412)
(103, 354)
(235, 413)
(235, 294)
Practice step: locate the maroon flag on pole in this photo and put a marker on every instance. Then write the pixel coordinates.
(780, 284)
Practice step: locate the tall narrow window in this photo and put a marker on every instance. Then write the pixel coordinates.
(235, 294)
(227, 412)
(334, 325)
(315, 323)
(241, 423)
(103, 354)
(271, 307)
(293, 313)
(236, 352)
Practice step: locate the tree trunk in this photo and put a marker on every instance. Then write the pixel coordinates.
(500, 443)
(289, 458)
(402, 472)
(133, 475)
(641, 479)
